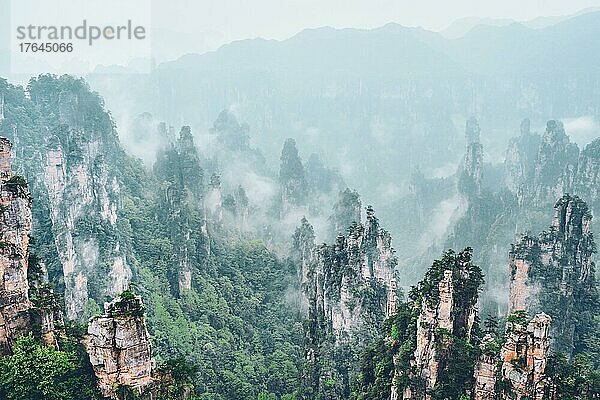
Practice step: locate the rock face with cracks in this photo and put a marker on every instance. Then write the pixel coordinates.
(119, 346)
(554, 273)
(524, 356)
(447, 309)
(15, 227)
(348, 289)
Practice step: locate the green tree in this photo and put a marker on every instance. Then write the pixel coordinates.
(37, 372)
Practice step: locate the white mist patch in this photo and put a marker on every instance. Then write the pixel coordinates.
(390, 192)
(498, 292)
(443, 217)
(445, 170)
(141, 141)
(582, 130)
(296, 300)
(259, 189)
(344, 164)
(213, 200)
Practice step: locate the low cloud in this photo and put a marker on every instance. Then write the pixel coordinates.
(582, 130)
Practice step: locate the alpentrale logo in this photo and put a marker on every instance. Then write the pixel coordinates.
(85, 32)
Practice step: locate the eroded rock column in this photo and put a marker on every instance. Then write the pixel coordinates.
(119, 346)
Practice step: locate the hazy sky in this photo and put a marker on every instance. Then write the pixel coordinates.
(225, 20)
(196, 26)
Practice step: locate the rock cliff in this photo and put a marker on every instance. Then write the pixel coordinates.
(348, 289)
(524, 356)
(587, 181)
(470, 178)
(486, 370)
(340, 275)
(540, 169)
(15, 227)
(178, 168)
(520, 157)
(83, 199)
(556, 164)
(119, 346)
(292, 178)
(554, 273)
(446, 300)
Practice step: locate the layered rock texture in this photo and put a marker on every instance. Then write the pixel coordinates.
(348, 288)
(514, 366)
(554, 273)
(83, 199)
(182, 198)
(338, 278)
(446, 299)
(524, 357)
(119, 346)
(67, 146)
(486, 370)
(15, 227)
(470, 179)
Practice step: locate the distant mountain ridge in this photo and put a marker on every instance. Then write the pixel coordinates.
(462, 26)
(516, 47)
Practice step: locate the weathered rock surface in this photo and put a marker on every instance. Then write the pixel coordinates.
(556, 164)
(521, 154)
(338, 276)
(179, 168)
(348, 289)
(119, 346)
(82, 195)
(524, 356)
(470, 179)
(556, 268)
(15, 227)
(447, 313)
(292, 178)
(587, 181)
(486, 370)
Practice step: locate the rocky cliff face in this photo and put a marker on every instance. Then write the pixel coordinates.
(521, 154)
(346, 211)
(83, 199)
(524, 356)
(15, 227)
(587, 181)
(292, 178)
(447, 300)
(513, 367)
(470, 179)
(349, 288)
(486, 370)
(339, 275)
(67, 146)
(119, 346)
(540, 170)
(178, 167)
(556, 164)
(554, 273)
